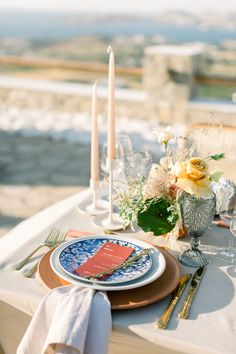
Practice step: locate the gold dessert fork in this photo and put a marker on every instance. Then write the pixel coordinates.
(29, 272)
(49, 242)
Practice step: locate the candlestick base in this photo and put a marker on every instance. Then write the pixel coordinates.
(94, 205)
(87, 206)
(104, 222)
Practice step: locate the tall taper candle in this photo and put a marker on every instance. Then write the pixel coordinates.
(111, 135)
(94, 138)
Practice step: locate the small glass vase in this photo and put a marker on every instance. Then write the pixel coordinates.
(197, 215)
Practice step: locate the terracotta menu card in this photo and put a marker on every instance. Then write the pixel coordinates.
(108, 256)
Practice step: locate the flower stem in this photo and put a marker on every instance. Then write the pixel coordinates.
(166, 156)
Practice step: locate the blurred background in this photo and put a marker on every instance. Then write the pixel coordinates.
(175, 65)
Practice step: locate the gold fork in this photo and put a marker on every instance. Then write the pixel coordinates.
(29, 272)
(50, 241)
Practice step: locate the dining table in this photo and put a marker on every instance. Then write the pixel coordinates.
(210, 328)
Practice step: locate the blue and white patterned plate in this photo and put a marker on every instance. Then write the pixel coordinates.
(76, 253)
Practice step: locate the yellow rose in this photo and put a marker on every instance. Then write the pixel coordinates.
(192, 177)
(196, 168)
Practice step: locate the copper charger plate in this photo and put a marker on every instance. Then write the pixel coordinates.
(126, 299)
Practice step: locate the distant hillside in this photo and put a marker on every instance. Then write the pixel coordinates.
(180, 18)
(208, 20)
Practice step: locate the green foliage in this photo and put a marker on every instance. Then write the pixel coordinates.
(215, 91)
(130, 202)
(158, 216)
(217, 157)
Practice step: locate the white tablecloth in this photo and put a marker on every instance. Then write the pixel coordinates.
(211, 327)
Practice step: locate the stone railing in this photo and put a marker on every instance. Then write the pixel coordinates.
(170, 77)
(67, 97)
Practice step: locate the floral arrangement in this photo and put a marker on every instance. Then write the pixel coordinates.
(154, 202)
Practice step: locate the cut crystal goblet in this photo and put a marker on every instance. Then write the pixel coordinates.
(197, 215)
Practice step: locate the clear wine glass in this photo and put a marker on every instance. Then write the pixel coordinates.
(233, 223)
(228, 215)
(125, 141)
(137, 165)
(119, 160)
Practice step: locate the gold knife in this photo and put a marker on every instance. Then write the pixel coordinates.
(195, 282)
(164, 319)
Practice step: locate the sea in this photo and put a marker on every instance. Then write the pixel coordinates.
(57, 26)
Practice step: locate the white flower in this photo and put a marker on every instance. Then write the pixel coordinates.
(157, 183)
(165, 136)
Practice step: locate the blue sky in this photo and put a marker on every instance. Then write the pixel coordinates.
(124, 6)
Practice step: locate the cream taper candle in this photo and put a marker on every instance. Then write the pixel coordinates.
(111, 135)
(94, 138)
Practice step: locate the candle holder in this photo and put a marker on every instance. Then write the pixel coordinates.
(94, 205)
(112, 221)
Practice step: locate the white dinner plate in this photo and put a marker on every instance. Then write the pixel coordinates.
(77, 252)
(156, 270)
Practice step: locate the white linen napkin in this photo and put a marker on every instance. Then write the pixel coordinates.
(69, 320)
